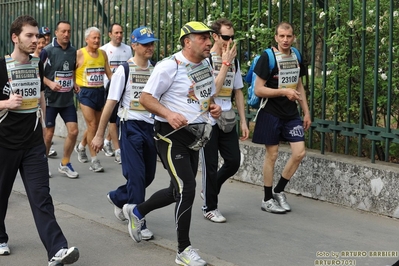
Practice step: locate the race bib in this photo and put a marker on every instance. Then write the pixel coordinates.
(289, 70)
(65, 79)
(24, 80)
(138, 79)
(95, 76)
(227, 87)
(200, 91)
(113, 65)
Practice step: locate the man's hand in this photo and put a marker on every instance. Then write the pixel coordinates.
(55, 86)
(176, 120)
(14, 101)
(215, 110)
(306, 122)
(293, 95)
(97, 143)
(244, 130)
(229, 53)
(76, 88)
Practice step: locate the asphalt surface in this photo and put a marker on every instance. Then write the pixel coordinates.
(314, 233)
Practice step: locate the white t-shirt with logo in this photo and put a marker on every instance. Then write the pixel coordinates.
(180, 92)
(118, 86)
(116, 56)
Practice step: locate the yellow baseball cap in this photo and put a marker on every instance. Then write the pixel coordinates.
(194, 27)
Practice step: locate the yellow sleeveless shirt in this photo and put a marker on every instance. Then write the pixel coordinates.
(91, 73)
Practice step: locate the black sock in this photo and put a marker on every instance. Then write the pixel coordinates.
(281, 185)
(268, 193)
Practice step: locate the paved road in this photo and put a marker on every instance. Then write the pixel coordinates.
(313, 230)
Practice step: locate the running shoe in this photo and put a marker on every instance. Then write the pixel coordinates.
(107, 149)
(96, 166)
(146, 234)
(52, 152)
(68, 170)
(282, 200)
(135, 223)
(82, 157)
(4, 249)
(189, 257)
(117, 211)
(64, 256)
(118, 156)
(272, 206)
(214, 216)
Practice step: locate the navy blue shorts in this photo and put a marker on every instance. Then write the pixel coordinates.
(68, 114)
(270, 130)
(92, 97)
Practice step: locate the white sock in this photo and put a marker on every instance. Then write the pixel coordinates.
(118, 151)
(81, 147)
(93, 158)
(106, 142)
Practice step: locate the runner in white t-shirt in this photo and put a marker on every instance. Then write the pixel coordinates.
(179, 94)
(117, 53)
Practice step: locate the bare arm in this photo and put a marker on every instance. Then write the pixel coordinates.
(79, 58)
(98, 140)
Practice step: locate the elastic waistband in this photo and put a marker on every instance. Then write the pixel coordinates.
(92, 88)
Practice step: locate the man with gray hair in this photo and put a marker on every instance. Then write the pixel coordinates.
(91, 66)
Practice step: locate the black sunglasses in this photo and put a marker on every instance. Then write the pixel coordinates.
(227, 37)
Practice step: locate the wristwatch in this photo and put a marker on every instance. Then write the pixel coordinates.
(226, 63)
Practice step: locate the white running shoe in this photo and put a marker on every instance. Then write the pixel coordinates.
(215, 216)
(4, 249)
(96, 166)
(82, 156)
(189, 257)
(118, 156)
(52, 152)
(107, 149)
(64, 256)
(135, 223)
(68, 170)
(146, 234)
(118, 212)
(272, 206)
(282, 200)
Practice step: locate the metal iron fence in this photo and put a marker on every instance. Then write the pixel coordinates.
(349, 48)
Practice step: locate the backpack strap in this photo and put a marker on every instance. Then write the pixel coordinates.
(272, 58)
(297, 53)
(126, 69)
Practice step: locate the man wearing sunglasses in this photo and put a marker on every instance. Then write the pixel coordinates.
(224, 135)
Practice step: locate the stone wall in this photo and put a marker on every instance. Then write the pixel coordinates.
(346, 180)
